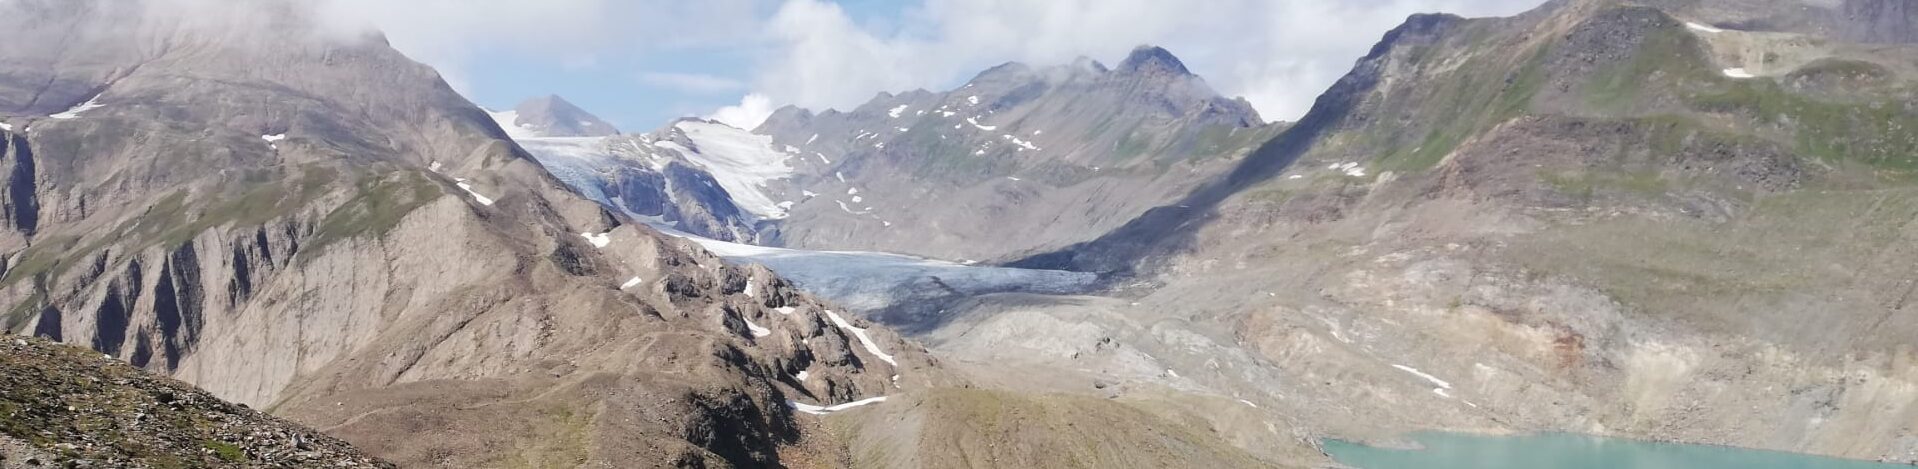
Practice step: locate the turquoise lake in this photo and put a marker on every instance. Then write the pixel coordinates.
(1567, 451)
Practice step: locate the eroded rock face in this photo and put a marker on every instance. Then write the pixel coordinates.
(321, 227)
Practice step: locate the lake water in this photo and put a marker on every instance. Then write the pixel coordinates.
(1567, 451)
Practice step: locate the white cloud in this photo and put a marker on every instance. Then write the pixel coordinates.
(1279, 54)
(452, 35)
(751, 111)
(693, 83)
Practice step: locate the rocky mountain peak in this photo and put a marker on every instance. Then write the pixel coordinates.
(553, 116)
(1150, 59)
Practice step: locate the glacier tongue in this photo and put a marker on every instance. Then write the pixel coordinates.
(871, 281)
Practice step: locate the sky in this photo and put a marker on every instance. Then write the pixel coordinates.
(641, 63)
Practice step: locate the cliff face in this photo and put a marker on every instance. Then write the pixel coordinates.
(318, 226)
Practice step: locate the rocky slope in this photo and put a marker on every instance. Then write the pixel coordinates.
(1019, 159)
(65, 406)
(230, 201)
(1670, 220)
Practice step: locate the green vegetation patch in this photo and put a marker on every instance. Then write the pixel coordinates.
(1880, 133)
(376, 208)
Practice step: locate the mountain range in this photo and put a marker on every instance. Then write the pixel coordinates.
(1675, 220)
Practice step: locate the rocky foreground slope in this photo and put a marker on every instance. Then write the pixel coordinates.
(65, 406)
(316, 226)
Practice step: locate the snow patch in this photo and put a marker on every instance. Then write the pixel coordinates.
(864, 339)
(975, 123)
(273, 138)
(599, 240)
(786, 310)
(435, 167)
(1248, 403)
(973, 99)
(630, 283)
(755, 329)
(1434, 379)
(822, 157)
(1703, 28)
(817, 410)
(815, 138)
(1023, 145)
(1350, 169)
(802, 376)
(4, 126)
(895, 112)
(1739, 73)
(74, 113)
(483, 200)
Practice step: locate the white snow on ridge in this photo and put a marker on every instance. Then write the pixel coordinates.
(4, 126)
(1434, 379)
(742, 162)
(817, 410)
(509, 121)
(895, 112)
(1703, 28)
(864, 339)
(973, 99)
(1739, 72)
(273, 138)
(91, 104)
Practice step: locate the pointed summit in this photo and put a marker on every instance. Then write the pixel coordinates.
(1153, 59)
(553, 116)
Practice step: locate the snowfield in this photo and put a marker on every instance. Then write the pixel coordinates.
(742, 162)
